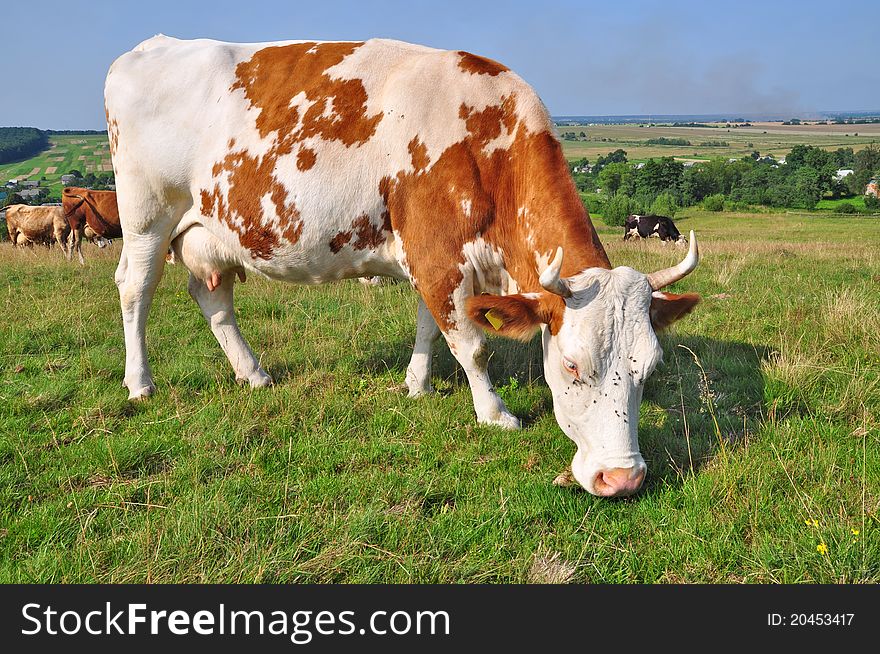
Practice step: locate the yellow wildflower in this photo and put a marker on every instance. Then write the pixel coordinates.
(822, 548)
(855, 532)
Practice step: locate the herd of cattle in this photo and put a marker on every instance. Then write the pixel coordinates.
(84, 213)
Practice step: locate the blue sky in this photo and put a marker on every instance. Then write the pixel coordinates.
(617, 57)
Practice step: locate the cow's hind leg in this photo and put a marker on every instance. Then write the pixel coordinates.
(418, 373)
(140, 269)
(217, 307)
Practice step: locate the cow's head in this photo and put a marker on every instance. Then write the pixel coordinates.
(600, 345)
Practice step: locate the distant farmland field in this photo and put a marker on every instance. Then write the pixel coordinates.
(87, 154)
(92, 153)
(767, 138)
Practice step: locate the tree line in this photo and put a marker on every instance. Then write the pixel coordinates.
(21, 143)
(663, 185)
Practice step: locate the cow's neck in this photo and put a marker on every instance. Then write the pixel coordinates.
(545, 213)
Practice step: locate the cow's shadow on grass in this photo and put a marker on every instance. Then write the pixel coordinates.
(704, 399)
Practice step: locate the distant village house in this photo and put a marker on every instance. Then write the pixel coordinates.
(873, 187)
(31, 193)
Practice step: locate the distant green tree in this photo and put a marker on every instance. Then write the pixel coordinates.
(614, 176)
(844, 157)
(872, 203)
(618, 156)
(617, 208)
(665, 205)
(658, 176)
(13, 198)
(714, 202)
(866, 164)
(593, 204)
(805, 188)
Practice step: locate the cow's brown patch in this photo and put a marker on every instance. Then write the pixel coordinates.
(476, 65)
(368, 235)
(529, 178)
(241, 210)
(488, 124)
(112, 131)
(419, 154)
(335, 111)
(275, 75)
(305, 158)
(339, 241)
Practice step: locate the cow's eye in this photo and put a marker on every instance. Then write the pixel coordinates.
(570, 366)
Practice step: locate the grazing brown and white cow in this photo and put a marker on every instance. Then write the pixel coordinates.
(28, 225)
(89, 213)
(310, 162)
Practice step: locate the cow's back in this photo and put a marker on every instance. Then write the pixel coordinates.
(287, 149)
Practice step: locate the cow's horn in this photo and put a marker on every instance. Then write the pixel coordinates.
(550, 279)
(663, 278)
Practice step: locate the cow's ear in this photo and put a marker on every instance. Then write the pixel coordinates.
(515, 316)
(666, 308)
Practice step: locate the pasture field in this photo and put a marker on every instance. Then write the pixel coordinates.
(767, 138)
(88, 153)
(761, 431)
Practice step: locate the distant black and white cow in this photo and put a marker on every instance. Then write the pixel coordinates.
(637, 226)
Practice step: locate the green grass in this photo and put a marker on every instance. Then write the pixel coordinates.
(64, 155)
(858, 202)
(333, 475)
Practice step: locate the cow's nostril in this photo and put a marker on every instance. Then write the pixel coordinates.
(619, 481)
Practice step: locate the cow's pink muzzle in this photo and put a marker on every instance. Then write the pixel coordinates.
(619, 482)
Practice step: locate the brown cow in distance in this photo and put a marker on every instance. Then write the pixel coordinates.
(87, 210)
(28, 225)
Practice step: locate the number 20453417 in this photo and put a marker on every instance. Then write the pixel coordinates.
(810, 619)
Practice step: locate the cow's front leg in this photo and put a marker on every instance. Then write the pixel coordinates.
(418, 373)
(218, 310)
(468, 345)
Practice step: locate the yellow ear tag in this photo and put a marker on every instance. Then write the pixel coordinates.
(494, 319)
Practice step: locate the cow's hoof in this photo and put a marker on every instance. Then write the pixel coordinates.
(137, 393)
(504, 420)
(420, 391)
(565, 479)
(257, 380)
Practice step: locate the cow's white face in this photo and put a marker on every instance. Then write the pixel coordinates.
(596, 367)
(600, 346)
